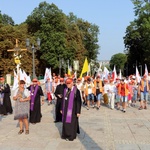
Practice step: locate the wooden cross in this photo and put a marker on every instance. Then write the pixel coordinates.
(16, 50)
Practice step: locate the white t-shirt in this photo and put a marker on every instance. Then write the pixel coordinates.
(89, 86)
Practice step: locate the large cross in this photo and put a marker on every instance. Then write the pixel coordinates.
(17, 49)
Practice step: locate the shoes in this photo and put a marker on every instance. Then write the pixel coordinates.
(98, 107)
(145, 107)
(93, 106)
(21, 131)
(133, 105)
(118, 108)
(140, 108)
(87, 108)
(33, 123)
(27, 132)
(68, 139)
(56, 121)
(124, 110)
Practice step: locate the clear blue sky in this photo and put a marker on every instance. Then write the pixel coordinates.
(112, 17)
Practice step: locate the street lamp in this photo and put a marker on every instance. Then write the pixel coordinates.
(92, 65)
(33, 48)
(76, 66)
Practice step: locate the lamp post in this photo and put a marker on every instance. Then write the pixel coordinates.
(91, 64)
(60, 65)
(76, 66)
(33, 48)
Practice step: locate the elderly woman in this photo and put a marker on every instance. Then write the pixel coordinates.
(22, 97)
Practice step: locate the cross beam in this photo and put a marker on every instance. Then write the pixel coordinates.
(17, 49)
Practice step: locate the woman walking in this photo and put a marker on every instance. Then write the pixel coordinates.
(22, 97)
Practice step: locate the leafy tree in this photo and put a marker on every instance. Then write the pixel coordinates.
(7, 19)
(62, 36)
(137, 38)
(8, 36)
(48, 22)
(119, 61)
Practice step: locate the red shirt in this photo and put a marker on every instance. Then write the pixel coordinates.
(122, 92)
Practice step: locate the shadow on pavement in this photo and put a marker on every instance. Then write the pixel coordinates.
(87, 141)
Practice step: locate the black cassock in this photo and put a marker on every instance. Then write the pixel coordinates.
(35, 115)
(59, 91)
(7, 106)
(70, 130)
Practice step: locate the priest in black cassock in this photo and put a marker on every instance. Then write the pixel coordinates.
(5, 101)
(35, 102)
(59, 95)
(71, 110)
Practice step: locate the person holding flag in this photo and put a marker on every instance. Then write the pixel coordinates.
(48, 90)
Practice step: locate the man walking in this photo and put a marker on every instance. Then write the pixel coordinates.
(71, 110)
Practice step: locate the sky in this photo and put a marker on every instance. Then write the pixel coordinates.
(111, 16)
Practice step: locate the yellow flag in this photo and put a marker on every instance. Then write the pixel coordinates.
(85, 67)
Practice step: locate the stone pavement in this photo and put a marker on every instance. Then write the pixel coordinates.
(103, 129)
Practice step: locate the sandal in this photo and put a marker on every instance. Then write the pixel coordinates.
(20, 132)
(27, 132)
(140, 108)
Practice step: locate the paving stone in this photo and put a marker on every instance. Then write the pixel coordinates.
(100, 130)
(127, 147)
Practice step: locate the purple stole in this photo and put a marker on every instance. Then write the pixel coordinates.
(70, 105)
(33, 96)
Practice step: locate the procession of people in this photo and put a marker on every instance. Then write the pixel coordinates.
(70, 95)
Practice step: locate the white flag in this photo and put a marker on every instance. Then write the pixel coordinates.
(114, 74)
(24, 76)
(146, 71)
(138, 77)
(106, 73)
(15, 84)
(28, 80)
(120, 74)
(50, 74)
(47, 75)
(21, 75)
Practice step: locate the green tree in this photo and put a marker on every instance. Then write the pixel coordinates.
(8, 36)
(49, 23)
(119, 61)
(137, 38)
(7, 19)
(62, 36)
